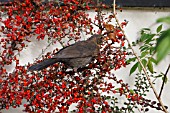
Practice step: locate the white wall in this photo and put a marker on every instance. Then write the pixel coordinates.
(142, 19)
(137, 19)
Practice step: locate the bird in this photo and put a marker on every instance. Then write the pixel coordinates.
(76, 56)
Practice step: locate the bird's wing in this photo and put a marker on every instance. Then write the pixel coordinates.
(78, 50)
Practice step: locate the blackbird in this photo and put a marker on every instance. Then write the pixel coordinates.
(76, 56)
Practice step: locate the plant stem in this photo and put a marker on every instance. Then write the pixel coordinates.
(163, 83)
(139, 60)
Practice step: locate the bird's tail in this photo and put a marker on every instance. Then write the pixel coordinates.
(42, 65)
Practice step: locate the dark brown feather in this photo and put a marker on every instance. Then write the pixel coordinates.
(76, 55)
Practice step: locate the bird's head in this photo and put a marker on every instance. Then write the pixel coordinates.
(96, 38)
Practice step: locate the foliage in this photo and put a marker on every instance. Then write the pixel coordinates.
(151, 44)
(147, 50)
(163, 42)
(56, 88)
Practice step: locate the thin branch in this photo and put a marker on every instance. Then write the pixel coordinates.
(143, 68)
(163, 83)
(92, 22)
(99, 15)
(43, 50)
(114, 7)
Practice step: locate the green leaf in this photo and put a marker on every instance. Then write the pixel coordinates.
(143, 54)
(132, 70)
(144, 48)
(150, 66)
(130, 60)
(117, 89)
(152, 50)
(144, 62)
(145, 30)
(144, 37)
(158, 76)
(139, 67)
(164, 19)
(166, 79)
(163, 45)
(152, 60)
(159, 28)
(149, 38)
(131, 91)
(108, 97)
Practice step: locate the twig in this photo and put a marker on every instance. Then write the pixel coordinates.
(114, 7)
(139, 60)
(99, 15)
(91, 21)
(163, 83)
(137, 107)
(43, 50)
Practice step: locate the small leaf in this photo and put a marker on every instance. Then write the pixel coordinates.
(144, 48)
(144, 37)
(149, 38)
(166, 79)
(117, 89)
(144, 62)
(143, 54)
(132, 70)
(108, 97)
(131, 91)
(139, 67)
(145, 30)
(152, 60)
(164, 19)
(158, 76)
(150, 66)
(163, 45)
(159, 28)
(131, 60)
(152, 50)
